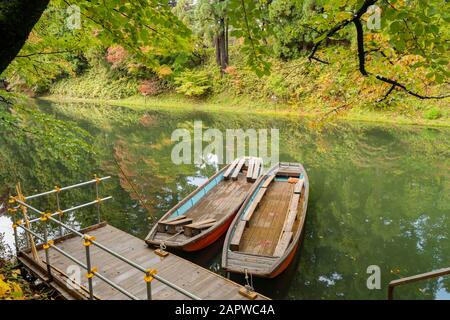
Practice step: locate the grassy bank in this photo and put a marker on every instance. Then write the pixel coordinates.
(296, 88)
(178, 102)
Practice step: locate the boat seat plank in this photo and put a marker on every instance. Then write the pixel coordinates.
(193, 229)
(249, 213)
(172, 226)
(230, 169)
(289, 222)
(251, 165)
(238, 168)
(294, 202)
(200, 223)
(256, 169)
(259, 195)
(299, 186)
(268, 180)
(237, 235)
(162, 225)
(283, 243)
(292, 213)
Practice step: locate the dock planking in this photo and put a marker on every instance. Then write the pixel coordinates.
(199, 281)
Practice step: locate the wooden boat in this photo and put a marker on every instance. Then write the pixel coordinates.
(206, 214)
(266, 232)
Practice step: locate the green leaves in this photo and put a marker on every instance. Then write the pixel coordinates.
(193, 83)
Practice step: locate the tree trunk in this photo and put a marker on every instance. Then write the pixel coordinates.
(217, 46)
(17, 19)
(222, 46)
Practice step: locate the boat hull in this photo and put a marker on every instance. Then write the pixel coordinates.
(210, 238)
(264, 265)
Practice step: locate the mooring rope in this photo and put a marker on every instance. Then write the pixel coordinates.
(162, 245)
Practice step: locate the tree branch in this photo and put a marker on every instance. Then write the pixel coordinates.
(395, 84)
(360, 42)
(387, 93)
(361, 53)
(43, 53)
(340, 26)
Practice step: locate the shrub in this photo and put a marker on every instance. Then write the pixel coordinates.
(433, 114)
(116, 55)
(193, 83)
(149, 88)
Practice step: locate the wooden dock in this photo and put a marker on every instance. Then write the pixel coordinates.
(199, 281)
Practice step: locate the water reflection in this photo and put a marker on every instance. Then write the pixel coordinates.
(379, 195)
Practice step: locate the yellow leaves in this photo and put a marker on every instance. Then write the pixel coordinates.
(410, 59)
(340, 16)
(164, 71)
(10, 290)
(145, 49)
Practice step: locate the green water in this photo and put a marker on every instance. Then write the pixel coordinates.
(379, 195)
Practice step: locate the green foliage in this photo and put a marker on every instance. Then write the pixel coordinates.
(249, 20)
(433, 114)
(193, 83)
(97, 82)
(415, 27)
(40, 139)
(291, 32)
(146, 29)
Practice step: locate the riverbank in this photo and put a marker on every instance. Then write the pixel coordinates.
(177, 102)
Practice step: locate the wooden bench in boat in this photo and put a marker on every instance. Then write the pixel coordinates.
(230, 169)
(171, 225)
(238, 168)
(292, 213)
(298, 186)
(195, 228)
(162, 225)
(237, 235)
(256, 169)
(249, 213)
(251, 164)
(268, 180)
(283, 243)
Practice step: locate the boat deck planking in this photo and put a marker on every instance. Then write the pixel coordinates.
(197, 280)
(261, 236)
(219, 202)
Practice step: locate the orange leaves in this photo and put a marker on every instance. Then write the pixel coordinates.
(116, 55)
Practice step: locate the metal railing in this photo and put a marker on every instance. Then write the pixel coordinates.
(45, 217)
(419, 277)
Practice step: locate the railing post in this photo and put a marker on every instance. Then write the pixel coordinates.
(97, 182)
(46, 245)
(391, 292)
(90, 271)
(13, 211)
(58, 190)
(148, 278)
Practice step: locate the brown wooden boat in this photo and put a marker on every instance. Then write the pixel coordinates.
(265, 234)
(206, 214)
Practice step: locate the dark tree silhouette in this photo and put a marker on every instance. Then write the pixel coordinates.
(17, 19)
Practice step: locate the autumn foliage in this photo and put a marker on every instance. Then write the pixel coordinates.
(116, 55)
(149, 88)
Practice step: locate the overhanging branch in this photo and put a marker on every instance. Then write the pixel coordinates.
(361, 53)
